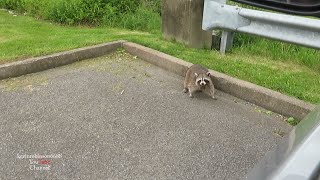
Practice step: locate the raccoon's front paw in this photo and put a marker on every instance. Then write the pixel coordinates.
(185, 90)
(214, 98)
(190, 96)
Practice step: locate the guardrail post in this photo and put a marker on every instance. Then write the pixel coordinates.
(226, 41)
(182, 21)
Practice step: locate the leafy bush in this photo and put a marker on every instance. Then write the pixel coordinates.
(143, 20)
(76, 11)
(37, 8)
(123, 6)
(12, 4)
(132, 14)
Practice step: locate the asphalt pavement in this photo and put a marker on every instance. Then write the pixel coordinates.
(118, 117)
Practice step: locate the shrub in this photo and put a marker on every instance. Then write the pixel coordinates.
(37, 8)
(123, 6)
(132, 14)
(17, 5)
(77, 11)
(143, 19)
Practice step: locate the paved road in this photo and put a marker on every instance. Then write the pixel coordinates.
(117, 117)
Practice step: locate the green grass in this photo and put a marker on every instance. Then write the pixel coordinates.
(292, 121)
(22, 37)
(285, 68)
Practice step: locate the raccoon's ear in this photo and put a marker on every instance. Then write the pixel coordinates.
(196, 74)
(209, 74)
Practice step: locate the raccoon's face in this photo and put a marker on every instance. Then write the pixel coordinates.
(202, 79)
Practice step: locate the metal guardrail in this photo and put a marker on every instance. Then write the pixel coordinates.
(298, 7)
(287, 28)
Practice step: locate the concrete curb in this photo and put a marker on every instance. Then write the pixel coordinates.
(33, 65)
(266, 98)
(157, 58)
(272, 100)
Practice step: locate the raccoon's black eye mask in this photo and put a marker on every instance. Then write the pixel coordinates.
(207, 81)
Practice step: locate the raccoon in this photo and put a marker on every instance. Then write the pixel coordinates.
(198, 78)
